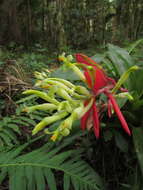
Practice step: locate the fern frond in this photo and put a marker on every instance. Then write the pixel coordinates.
(10, 128)
(36, 169)
(29, 98)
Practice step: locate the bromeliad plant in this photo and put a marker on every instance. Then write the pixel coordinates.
(67, 102)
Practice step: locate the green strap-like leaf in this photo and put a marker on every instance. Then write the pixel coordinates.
(138, 143)
(66, 182)
(39, 178)
(50, 178)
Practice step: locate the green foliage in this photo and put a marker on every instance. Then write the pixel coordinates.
(17, 126)
(138, 146)
(118, 60)
(62, 165)
(66, 74)
(11, 128)
(138, 143)
(35, 170)
(33, 62)
(121, 61)
(9, 131)
(134, 45)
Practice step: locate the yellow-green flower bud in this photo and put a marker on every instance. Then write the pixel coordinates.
(125, 95)
(65, 105)
(48, 120)
(63, 81)
(55, 136)
(78, 72)
(86, 108)
(43, 107)
(42, 95)
(70, 58)
(38, 75)
(124, 77)
(44, 75)
(65, 132)
(62, 57)
(62, 93)
(82, 90)
(56, 83)
(67, 123)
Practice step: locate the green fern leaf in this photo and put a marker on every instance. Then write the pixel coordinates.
(29, 98)
(66, 182)
(50, 179)
(30, 121)
(6, 139)
(19, 121)
(34, 170)
(14, 127)
(11, 135)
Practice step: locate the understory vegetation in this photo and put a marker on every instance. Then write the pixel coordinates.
(71, 95)
(79, 160)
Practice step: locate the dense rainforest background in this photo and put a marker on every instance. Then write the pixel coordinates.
(70, 23)
(44, 93)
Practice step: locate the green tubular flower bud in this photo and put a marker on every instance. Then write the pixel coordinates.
(125, 95)
(48, 120)
(39, 127)
(55, 136)
(65, 132)
(86, 108)
(52, 91)
(62, 57)
(124, 77)
(44, 74)
(65, 105)
(77, 112)
(63, 81)
(38, 83)
(63, 93)
(67, 123)
(38, 75)
(78, 96)
(82, 90)
(77, 71)
(89, 67)
(65, 59)
(43, 107)
(42, 95)
(68, 107)
(64, 128)
(58, 84)
(61, 106)
(70, 58)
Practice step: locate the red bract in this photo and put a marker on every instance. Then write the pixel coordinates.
(99, 82)
(118, 112)
(96, 123)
